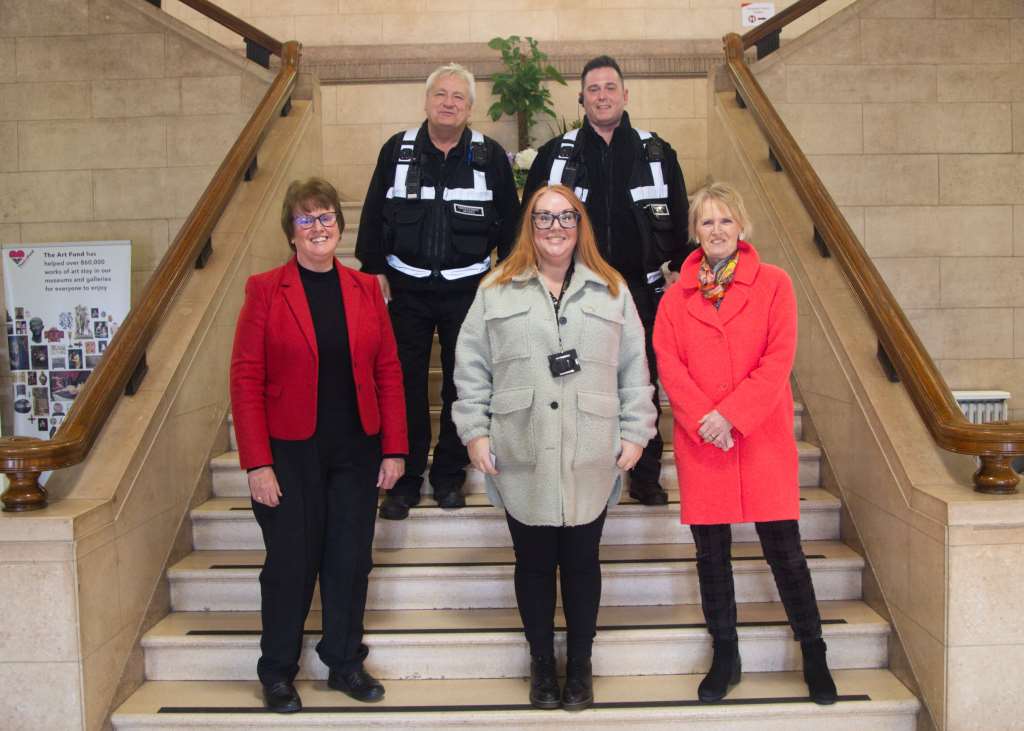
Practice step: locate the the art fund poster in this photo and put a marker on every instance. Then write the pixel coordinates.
(64, 303)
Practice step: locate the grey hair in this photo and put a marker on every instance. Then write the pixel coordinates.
(454, 69)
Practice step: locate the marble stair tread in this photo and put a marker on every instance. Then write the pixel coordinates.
(228, 522)
(870, 700)
(472, 577)
(490, 642)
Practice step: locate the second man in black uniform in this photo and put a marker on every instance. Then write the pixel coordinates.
(441, 199)
(633, 188)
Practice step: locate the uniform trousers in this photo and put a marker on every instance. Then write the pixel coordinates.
(780, 542)
(323, 526)
(646, 297)
(572, 552)
(415, 315)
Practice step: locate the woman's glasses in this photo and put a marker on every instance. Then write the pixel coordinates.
(545, 220)
(306, 221)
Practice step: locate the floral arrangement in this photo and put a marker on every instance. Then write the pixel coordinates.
(521, 163)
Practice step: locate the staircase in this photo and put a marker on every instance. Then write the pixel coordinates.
(445, 636)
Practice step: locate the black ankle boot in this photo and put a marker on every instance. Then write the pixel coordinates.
(725, 671)
(579, 685)
(544, 690)
(819, 681)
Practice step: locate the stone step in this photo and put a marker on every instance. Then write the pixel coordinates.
(489, 643)
(228, 524)
(475, 578)
(870, 700)
(434, 389)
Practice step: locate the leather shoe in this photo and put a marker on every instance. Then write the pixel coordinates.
(450, 499)
(648, 493)
(579, 685)
(544, 690)
(396, 507)
(281, 697)
(357, 684)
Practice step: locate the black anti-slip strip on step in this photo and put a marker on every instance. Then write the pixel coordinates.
(485, 630)
(694, 703)
(485, 564)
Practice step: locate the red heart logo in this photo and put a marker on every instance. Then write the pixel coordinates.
(17, 256)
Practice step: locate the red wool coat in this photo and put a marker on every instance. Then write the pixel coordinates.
(736, 359)
(275, 360)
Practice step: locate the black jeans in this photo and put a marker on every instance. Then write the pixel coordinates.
(646, 297)
(414, 317)
(780, 541)
(574, 552)
(323, 526)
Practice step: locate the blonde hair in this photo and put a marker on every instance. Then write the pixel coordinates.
(729, 197)
(524, 254)
(453, 69)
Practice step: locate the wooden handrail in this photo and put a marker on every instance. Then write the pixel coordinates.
(777, 22)
(24, 458)
(236, 24)
(995, 444)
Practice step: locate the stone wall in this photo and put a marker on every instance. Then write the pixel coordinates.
(912, 113)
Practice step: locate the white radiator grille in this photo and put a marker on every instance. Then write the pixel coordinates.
(983, 407)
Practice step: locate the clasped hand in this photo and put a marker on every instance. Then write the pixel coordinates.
(717, 430)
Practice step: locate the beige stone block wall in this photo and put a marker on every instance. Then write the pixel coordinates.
(912, 113)
(359, 118)
(346, 22)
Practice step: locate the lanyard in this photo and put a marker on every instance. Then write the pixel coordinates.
(557, 301)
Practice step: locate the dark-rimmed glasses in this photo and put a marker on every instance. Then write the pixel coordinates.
(566, 219)
(307, 220)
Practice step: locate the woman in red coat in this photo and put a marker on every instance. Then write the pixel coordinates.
(725, 337)
(316, 393)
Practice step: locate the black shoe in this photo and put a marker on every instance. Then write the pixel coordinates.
(357, 684)
(396, 507)
(647, 493)
(579, 685)
(725, 672)
(281, 697)
(450, 499)
(820, 685)
(544, 690)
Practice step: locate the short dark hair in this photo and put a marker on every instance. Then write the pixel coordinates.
(601, 62)
(307, 195)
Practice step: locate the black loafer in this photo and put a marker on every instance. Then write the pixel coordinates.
(648, 494)
(450, 499)
(394, 507)
(357, 684)
(281, 697)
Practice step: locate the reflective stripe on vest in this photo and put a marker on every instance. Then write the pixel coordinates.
(457, 273)
(558, 166)
(479, 191)
(658, 189)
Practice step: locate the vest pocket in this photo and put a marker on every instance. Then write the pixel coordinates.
(597, 430)
(471, 225)
(407, 231)
(512, 438)
(602, 335)
(507, 333)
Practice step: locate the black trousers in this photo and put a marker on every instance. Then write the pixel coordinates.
(647, 471)
(780, 541)
(323, 526)
(573, 551)
(415, 315)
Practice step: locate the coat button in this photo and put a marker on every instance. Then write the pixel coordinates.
(554, 404)
(562, 321)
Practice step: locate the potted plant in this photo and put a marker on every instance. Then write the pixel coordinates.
(520, 88)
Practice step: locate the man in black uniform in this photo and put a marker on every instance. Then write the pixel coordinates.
(633, 188)
(441, 199)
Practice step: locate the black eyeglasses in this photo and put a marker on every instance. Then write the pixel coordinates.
(306, 220)
(545, 220)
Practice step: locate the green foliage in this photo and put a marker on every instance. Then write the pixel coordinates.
(520, 89)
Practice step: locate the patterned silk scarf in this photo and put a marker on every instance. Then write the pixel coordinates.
(714, 282)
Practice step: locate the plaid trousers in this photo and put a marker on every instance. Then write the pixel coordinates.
(780, 542)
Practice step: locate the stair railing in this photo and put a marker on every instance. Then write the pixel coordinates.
(902, 355)
(123, 366)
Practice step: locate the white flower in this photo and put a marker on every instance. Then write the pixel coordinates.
(524, 158)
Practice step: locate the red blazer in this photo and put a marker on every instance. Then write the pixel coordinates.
(736, 359)
(275, 360)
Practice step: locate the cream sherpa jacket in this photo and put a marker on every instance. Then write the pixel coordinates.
(555, 440)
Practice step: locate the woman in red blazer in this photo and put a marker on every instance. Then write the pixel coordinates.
(725, 338)
(319, 411)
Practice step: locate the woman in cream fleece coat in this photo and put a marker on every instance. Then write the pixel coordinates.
(553, 439)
